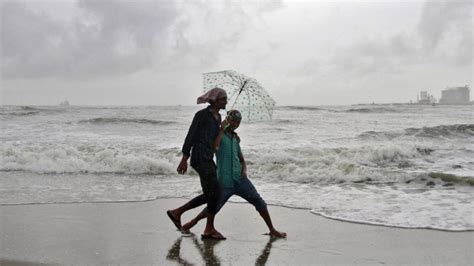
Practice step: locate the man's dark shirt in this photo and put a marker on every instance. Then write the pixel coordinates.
(201, 135)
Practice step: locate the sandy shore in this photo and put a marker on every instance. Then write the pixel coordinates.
(140, 233)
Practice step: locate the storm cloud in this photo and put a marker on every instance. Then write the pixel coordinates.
(443, 35)
(303, 52)
(120, 37)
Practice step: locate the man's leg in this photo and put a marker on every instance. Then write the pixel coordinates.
(210, 187)
(247, 191)
(175, 215)
(195, 202)
(224, 195)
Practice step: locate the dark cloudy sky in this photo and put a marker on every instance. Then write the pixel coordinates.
(303, 52)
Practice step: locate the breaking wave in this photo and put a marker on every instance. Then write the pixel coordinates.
(442, 131)
(118, 120)
(298, 165)
(63, 158)
(306, 165)
(451, 178)
(368, 164)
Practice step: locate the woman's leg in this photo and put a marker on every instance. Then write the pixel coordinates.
(247, 191)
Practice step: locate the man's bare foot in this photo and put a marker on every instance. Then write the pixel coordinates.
(276, 233)
(175, 217)
(176, 214)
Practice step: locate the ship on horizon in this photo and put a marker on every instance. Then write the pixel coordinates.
(64, 103)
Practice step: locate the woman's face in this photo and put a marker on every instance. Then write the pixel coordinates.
(234, 124)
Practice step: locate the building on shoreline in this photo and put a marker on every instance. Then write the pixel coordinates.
(425, 98)
(455, 95)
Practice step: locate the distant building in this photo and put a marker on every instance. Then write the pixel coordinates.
(425, 98)
(455, 95)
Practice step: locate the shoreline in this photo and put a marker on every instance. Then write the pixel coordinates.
(141, 233)
(234, 202)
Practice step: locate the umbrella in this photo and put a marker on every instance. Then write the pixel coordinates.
(245, 94)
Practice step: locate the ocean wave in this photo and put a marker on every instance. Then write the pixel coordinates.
(302, 108)
(19, 110)
(63, 158)
(302, 165)
(351, 110)
(29, 108)
(27, 113)
(439, 179)
(459, 130)
(381, 164)
(118, 120)
(282, 122)
(451, 178)
(366, 164)
(442, 131)
(372, 110)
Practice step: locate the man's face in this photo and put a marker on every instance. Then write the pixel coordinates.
(221, 102)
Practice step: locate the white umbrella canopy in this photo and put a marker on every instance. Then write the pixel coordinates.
(244, 94)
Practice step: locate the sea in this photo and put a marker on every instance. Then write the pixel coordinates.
(409, 166)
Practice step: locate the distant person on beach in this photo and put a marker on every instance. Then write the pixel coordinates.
(199, 146)
(232, 174)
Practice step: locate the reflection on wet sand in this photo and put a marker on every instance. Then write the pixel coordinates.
(262, 259)
(173, 253)
(206, 249)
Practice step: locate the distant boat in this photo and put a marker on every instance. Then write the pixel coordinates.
(65, 103)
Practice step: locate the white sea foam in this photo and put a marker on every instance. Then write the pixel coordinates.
(391, 205)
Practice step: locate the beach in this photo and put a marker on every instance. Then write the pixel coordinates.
(352, 120)
(141, 233)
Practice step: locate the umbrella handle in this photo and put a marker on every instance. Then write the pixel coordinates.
(240, 91)
(232, 107)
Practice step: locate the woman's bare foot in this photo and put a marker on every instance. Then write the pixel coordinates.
(276, 233)
(213, 235)
(187, 226)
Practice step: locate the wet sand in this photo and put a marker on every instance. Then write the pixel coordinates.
(141, 233)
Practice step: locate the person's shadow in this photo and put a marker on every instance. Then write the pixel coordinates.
(206, 249)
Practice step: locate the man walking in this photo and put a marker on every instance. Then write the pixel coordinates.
(199, 146)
